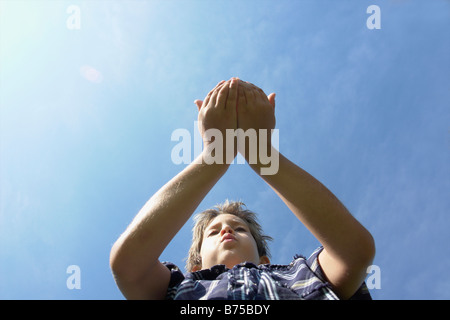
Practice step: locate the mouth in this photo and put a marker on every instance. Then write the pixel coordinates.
(228, 237)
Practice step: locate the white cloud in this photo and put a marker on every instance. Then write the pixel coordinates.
(91, 74)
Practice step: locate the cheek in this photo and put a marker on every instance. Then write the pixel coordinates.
(252, 244)
(207, 247)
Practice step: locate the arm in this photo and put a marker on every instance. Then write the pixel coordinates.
(134, 256)
(348, 246)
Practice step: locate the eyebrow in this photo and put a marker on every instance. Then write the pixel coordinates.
(233, 222)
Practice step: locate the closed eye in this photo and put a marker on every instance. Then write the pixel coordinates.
(212, 232)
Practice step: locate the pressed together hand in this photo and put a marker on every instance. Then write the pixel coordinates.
(237, 104)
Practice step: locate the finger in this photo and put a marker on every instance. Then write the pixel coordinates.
(208, 97)
(213, 98)
(271, 98)
(222, 95)
(261, 93)
(248, 86)
(257, 91)
(261, 96)
(198, 103)
(232, 95)
(249, 96)
(242, 102)
(217, 85)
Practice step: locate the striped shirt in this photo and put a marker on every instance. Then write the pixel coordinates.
(302, 279)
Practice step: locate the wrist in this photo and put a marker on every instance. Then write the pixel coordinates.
(220, 152)
(265, 162)
(213, 160)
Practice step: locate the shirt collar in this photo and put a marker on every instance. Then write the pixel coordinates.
(213, 272)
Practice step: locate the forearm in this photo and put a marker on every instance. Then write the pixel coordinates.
(162, 217)
(320, 211)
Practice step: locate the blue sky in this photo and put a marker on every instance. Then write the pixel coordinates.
(86, 117)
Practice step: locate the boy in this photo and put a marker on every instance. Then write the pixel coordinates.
(340, 266)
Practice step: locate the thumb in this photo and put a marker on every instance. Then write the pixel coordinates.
(198, 103)
(271, 98)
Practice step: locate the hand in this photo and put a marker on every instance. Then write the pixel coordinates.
(217, 113)
(255, 115)
(255, 109)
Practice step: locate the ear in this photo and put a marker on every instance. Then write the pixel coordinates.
(197, 267)
(264, 260)
(198, 103)
(271, 98)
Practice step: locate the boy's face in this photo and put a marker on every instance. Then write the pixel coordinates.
(227, 240)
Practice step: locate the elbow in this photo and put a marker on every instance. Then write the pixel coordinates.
(366, 249)
(118, 262)
(114, 260)
(126, 266)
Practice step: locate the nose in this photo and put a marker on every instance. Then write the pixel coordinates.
(226, 229)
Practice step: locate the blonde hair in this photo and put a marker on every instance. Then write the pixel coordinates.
(236, 208)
